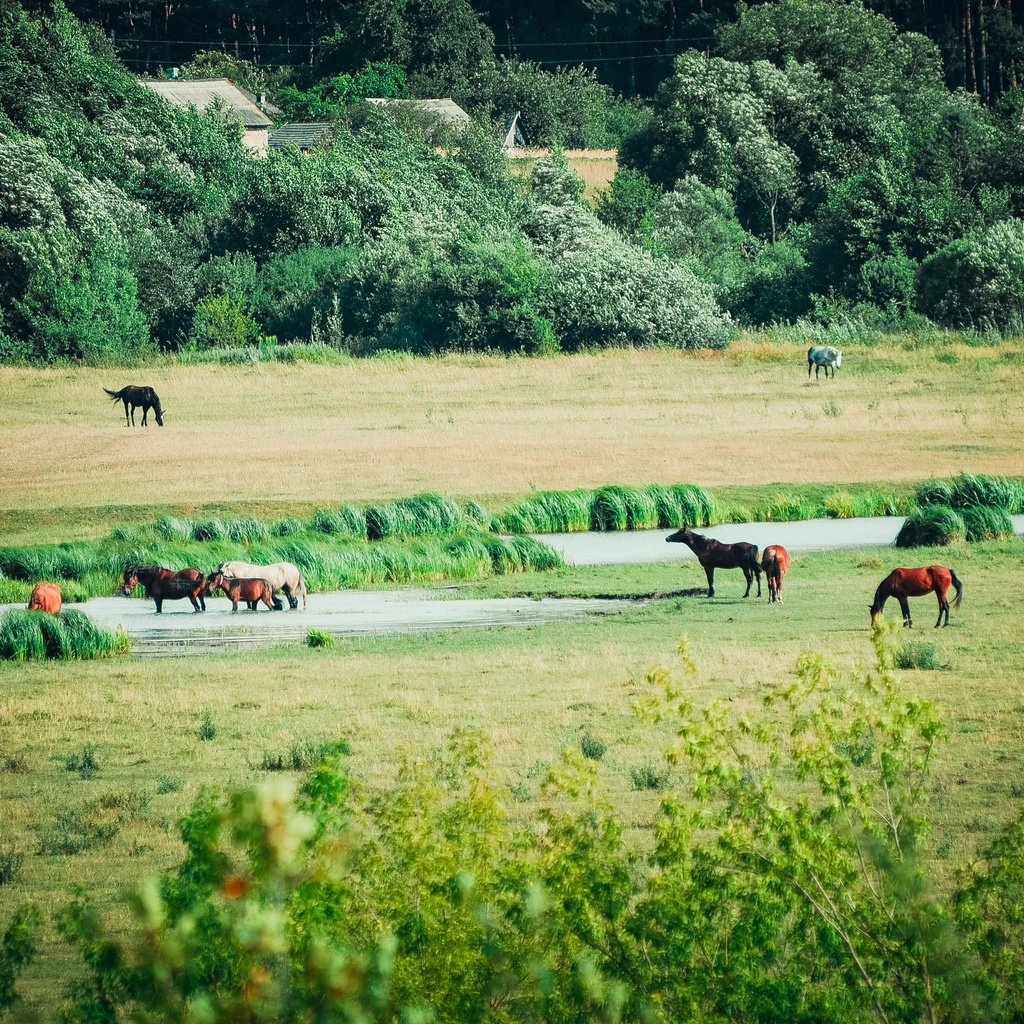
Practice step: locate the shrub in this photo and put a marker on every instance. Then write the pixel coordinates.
(84, 763)
(932, 524)
(319, 638)
(592, 747)
(93, 825)
(11, 862)
(207, 729)
(917, 654)
(168, 784)
(648, 776)
(302, 755)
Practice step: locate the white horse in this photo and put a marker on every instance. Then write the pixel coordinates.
(820, 356)
(281, 576)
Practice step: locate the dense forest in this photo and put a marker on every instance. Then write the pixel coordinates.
(795, 159)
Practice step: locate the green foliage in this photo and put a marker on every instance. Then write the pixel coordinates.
(319, 639)
(592, 747)
(983, 523)
(220, 322)
(974, 489)
(38, 636)
(932, 524)
(756, 899)
(917, 654)
(17, 950)
(565, 106)
(418, 516)
(648, 776)
(330, 99)
(977, 280)
(303, 755)
(207, 728)
(85, 763)
(606, 292)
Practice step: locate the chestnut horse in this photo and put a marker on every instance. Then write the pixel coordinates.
(904, 583)
(136, 395)
(251, 591)
(45, 598)
(774, 562)
(165, 585)
(713, 554)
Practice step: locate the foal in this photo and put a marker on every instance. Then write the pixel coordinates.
(775, 562)
(713, 554)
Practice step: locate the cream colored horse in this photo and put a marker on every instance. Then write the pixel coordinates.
(281, 576)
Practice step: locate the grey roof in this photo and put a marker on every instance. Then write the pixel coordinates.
(304, 134)
(446, 109)
(201, 93)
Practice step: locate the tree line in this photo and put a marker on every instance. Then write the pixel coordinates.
(816, 166)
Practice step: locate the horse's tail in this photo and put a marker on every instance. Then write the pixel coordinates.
(302, 587)
(755, 565)
(958, 586)
(115, 395)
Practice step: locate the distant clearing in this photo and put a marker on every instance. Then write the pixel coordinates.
(596, 167)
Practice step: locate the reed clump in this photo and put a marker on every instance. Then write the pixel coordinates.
(932, 525)
(40, 636)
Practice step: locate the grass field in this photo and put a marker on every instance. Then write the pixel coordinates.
(99, 759)
(533, 692)
(289, 438)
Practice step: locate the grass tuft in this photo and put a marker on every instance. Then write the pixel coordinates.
(85, 763)
(930, 525)
(592, 747)
(39, 636)
(319, 638)
(918, 654)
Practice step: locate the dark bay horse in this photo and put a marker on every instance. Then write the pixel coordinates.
(774, 562)
(251, 591)
(904, 583)
(135, 396)
(166, 585)
(713, 554)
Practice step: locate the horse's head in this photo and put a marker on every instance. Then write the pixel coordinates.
(839, 360)
(213, 581)
(130, 581)
(876, 615)
(681, 536)
(159, 413)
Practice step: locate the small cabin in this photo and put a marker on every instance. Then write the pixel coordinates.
(254, 112)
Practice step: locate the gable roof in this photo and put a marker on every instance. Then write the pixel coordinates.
(304, 134)
(201, 93)
(446, 109)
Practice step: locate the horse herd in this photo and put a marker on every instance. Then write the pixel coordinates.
(256, 584)
(238, 581)
(900, 583)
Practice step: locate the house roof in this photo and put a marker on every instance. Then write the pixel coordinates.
(446, 109)
(201, 93)
(304, 134)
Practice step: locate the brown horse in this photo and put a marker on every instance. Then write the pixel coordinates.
(135, 396)
(45, 598)
(904, 583)
(165, 585)
(774, 562)
(713, 554)
(251, 591)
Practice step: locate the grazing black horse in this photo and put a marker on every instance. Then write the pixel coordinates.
(713, 554)
(133, 396)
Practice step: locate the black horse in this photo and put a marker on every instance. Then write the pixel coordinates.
(133, 396)
(713, 554)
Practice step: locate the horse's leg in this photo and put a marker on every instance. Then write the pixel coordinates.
(905, 607)
(289, 592)
(943, 607)
(145, 413)
(234, 603)
(709, 571)
(757, 573)
(750, 579)
(126, 423)
(159, 604)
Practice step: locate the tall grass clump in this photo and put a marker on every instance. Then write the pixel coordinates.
(247, 530)
(986, 523)
(932, 524)
(969, 490)
(418, 516)
(784, 508)
(287, 527)
(212, 528)
(345, 521)
(478, 516)
(547, 512)
(39, 636)
(624, 508)
(696, 506)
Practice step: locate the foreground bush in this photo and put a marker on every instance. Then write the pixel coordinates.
(932, 524)
(756, 900)
(39, 636)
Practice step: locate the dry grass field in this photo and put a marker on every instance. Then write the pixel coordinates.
(271, 437)
(596, 167)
